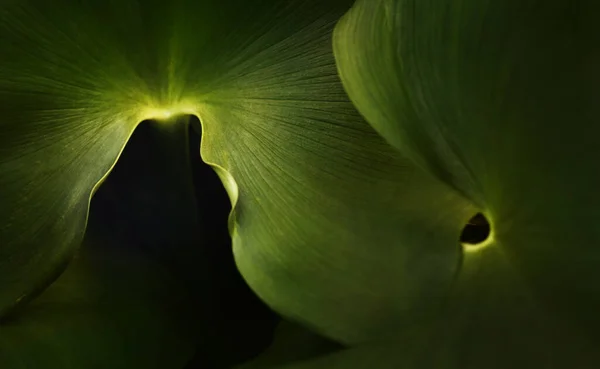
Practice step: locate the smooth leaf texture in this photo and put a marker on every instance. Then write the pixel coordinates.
(330, 227)
(497, 100)
(112, 308)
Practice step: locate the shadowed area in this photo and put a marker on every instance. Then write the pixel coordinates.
(476, 230)
(162, 200)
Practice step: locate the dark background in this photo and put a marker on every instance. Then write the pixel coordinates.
(147, 202)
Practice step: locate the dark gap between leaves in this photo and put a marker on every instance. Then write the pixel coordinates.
(248, 324)
(476, 231)
(131, 205)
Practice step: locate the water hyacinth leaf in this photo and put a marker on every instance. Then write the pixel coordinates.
(76, 77)
(325, 213)
(112, 308)
(489, 320)
(119, 304)
(495, 99)
(321, 223)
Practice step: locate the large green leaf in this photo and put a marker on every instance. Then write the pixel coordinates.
(77, 76)
(497, 100)
(491, 320)
(325, 214)
(330, 226)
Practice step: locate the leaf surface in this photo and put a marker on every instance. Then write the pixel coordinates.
(496, 99)
(325, 213)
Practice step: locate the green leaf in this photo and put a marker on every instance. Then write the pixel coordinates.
(490, 321)
(76, 77)
(330, 226)
(112, 308)
(326, 215)
(496, 99)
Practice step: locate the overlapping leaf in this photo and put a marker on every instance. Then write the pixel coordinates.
(330, 227)
(496, 99)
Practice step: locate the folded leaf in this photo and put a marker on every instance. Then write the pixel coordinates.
(76, 77)
(326, 215)
(496, 99)
(63, 126)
